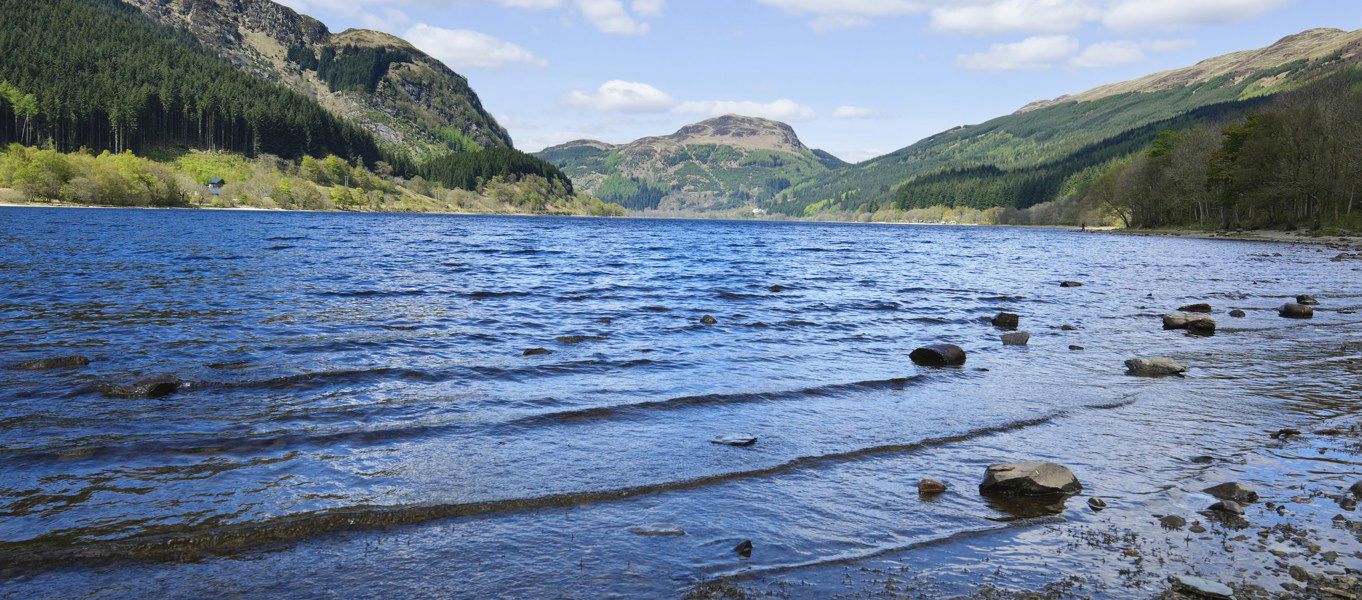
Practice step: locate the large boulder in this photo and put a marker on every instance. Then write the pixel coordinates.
(1029, 479)
(1154, 367)
(56, 362)
(1006, 320)
(1295, 310)
(938, 355)
(1016, 338)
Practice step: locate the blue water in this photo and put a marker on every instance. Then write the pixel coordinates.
(359, 413)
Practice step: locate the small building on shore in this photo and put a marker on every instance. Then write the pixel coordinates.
(215, 185)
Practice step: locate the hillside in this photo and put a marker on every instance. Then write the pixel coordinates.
(721, 163)
(1026, 157)
(379, 82)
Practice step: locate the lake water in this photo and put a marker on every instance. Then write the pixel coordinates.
(359, 417)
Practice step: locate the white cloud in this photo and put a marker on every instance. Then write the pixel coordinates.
(610, 16)
(1107, 54)
(531, 4)
(1174, 14)
(845, 14)
(855, 112)
(464, 49)
(1031, 53)
(622, 96)
(648, 9)
(1001, 16)
(780, 110)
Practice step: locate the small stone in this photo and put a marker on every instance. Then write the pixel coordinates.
(776, 289)
(1076, 348)
(1006, 320)
(1069, 328)
(1288, 432)
(1233, 490)
(938, 355)
(1096, 504)
(1202, 588)
(577, 339)
(1070, 284)
(708, 320)
(1293, 310)
(537, 352)
(1337, 592)
(1154, 367)
(1307, 300)
(1229, 507)
(1172, 522)
(1298, 573)
(1196, 308)
(1019, 338)
(1197, 527)
(1131, 552)
(656, 530)
(59, 362)
(1238, 314)
(929, 487)
(734, 439)
(744, 549)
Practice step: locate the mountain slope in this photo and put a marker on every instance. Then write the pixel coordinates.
(720, 163)
(379, 82)
(1058, 130)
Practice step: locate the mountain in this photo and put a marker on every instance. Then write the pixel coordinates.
(1027, 157)
(377, 81)
(721, 163)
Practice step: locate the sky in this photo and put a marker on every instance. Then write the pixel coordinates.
(858, 78)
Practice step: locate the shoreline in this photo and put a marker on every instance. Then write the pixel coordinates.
(1252, 235)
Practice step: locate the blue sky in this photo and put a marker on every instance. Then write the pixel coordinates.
(858, 78)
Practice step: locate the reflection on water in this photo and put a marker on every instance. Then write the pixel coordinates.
(358, 407)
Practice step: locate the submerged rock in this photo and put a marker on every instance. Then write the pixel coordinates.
(1307, 300)
(537, 352)
(938, 355)
(1295, 310)
(776, 289)
(930, 487)
(744, 549)
(1070, 284)
(1006, 320)
(1033, 478)
(1020, 338)
(656, 530)
(1196, 308)
(1068, 328)
(1202, 588)
(708, 320)
(56, 362)
(158, 386)
(1233, 491)
(1172, 522)
(1238, 314)
(1154, 367)
(577, 339)
(734, 439)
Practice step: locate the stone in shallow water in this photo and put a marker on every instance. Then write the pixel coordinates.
(1154, 367)
(744, 549)
(930, 487)
(776, 289)
(1196, 308)
(1097, 504)
(1020, 338)
(1228, 507)
(656, 530)
(1233, 490)
(1172, 522)
(1190, 322)
(58, 362)
(1070, 284)
(577, 339)
(1006, 320)
(735, 439)
(938, 355)
(1202, 588)
(537, 352)
(158, 386)
(1238, 314)
(1032, 478)
(708, 320)
(1294, 310)
(1307, 300)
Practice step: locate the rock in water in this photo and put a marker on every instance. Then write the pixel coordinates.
(1020, 338)
(1029, 479)
(708, 320)
(537, 352)
(1070, 284)
(1096, 504)
(1076, 348)
(1233, 491)
(735, 439)
(1202, 588)
(938, 355)
(1228, 507)
(1154, 367)
(1196, 308)
(1172, 522)
(59, 362)
(159, 386)
(1295, 310)
(656, 530)
(1006, 320)
(1190, 322)
(1356, 489)
(1238, 314)
(1307, 300)
(929, 487)
(776, 289)
(1068, 328)
(744, 549)
(1203, 326)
